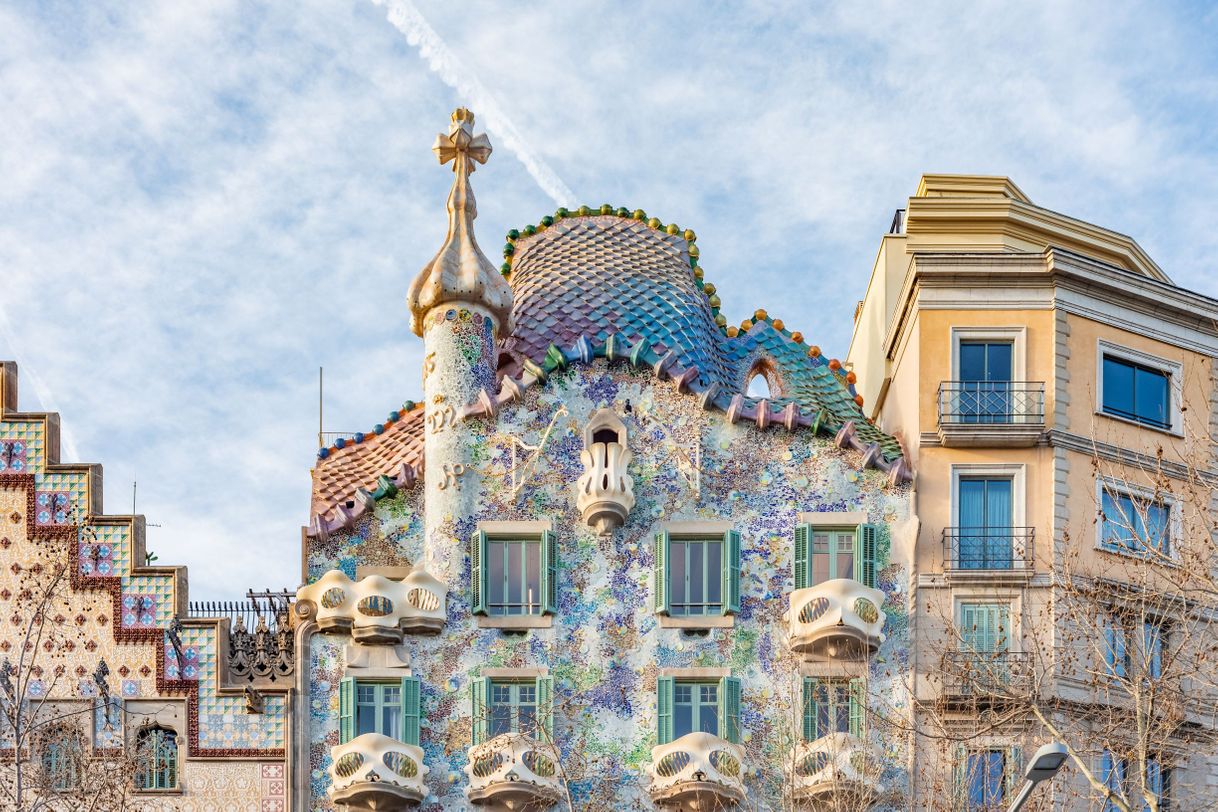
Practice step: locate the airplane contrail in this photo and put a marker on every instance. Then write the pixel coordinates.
(444, 63)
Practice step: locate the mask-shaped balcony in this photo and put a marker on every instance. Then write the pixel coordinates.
(373, 772)
(835, 619)
(837, 771)
(374, 609)
(697, 772)
(513, 771)
(605, 491)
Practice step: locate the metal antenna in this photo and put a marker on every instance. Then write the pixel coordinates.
(320, 406)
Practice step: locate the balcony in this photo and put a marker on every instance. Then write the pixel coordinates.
(838, 771)
(991, 414)
(987, 677)
(374, 609)
(988, 553)
(373, 772)
(837, 618)
(697, 772)
(513, 771)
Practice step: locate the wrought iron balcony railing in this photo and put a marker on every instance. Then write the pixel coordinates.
(376, 772)
(513, 771)
(836, 618)
(260, 640)
(994, 676)
(982, 549)
(839, 771)
(697, 771)
(992, 403)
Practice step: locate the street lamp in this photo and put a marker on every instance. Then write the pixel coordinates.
(1045, 764)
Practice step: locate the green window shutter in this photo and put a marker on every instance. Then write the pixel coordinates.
(549, 572)
(1014, 771)
(477, 573)
(664, 698)
(480, 690)
(729, 709)
(866, 539)
(545, 707)
(346, 710)
(803, 539)
(731, 572)
(858, 706)
(411, 710)
(811, 710)
(661, 572)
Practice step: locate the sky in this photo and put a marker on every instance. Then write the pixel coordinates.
(201, 203)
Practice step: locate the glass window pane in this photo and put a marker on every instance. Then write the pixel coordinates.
(515, 575)
(683, 711)
(998, 361)
(714, 574)
(365, 718)
(1157, 529)
(1150, 396)
(676, 578)
(391, 721)
(1118, 387)
(708, 719)
(697, 575)
(972, 361)
(533, 577)
(845, 555)
(820, 559)
(494, 576)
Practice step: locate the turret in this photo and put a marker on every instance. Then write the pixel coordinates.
(459, 304)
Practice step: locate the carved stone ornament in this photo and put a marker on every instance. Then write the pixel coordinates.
(460, 272)
(605, 490)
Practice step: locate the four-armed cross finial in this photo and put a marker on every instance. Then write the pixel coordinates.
(461, 141)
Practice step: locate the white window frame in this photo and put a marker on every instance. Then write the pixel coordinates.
(1175, 523)
(1018, 336)
(1017, 472)
(1175, 383)
(1012, 598)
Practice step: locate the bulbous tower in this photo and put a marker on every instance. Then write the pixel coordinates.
(459, 304)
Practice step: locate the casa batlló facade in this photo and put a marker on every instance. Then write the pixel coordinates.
(621, 555)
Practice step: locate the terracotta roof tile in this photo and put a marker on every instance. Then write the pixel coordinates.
(359, 465)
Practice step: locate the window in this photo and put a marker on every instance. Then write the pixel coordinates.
(697, 575)
(823, 554)
(1120, 657)
(985, 536)
(1136, 392)
(521, 706)
(157, 754)
(985, 627)
(697, 706)
(514, 575)
(61, 759)
(1117, 774)
(985, 381)
(1131, 524)
(833, 706)
(389, 708)
(987, 777)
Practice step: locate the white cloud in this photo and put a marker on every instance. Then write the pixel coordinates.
(203, 202)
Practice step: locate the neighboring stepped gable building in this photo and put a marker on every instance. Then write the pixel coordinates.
(625, 556)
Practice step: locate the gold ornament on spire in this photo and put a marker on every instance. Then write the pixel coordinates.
(460, 272)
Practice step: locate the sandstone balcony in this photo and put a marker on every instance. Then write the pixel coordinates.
(836, 619)
(697, 772)
(513, 771)
(837, 771)
(991, 414)
(375, 609)
(373, 772)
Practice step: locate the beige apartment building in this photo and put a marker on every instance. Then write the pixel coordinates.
(1054, 391)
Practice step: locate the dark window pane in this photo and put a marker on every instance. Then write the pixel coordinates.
(676, 568)
(972, 361)
(714, 574)
(533, 577)
(998, 362)
(1118, 387)
(697, 573)
(820, 560)
(845, 555)
(494, 576)
(365, 719)
(515, 566)
(1150, 396)
(683, 711)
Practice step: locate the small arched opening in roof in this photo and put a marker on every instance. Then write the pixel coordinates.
(763, 380)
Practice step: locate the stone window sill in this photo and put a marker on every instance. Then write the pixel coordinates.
(712, 622)
(515, 621)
